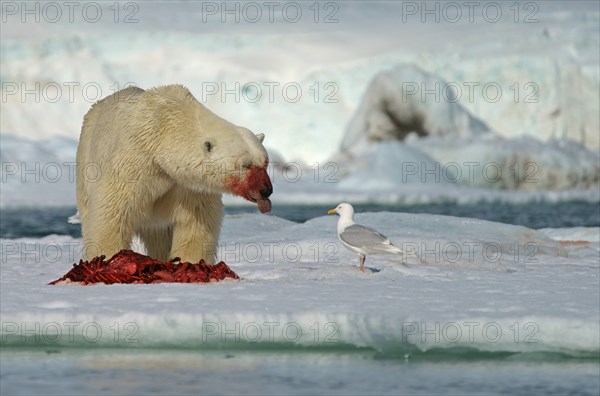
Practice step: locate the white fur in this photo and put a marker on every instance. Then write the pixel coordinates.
(154, 163)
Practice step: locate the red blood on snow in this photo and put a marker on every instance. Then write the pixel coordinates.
(130, 267)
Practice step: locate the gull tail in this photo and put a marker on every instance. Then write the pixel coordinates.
(394, 250)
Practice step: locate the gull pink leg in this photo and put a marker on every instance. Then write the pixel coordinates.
(362, 262)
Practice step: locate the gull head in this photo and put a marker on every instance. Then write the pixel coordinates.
(345, 210)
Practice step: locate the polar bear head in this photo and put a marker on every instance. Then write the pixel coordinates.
(201, 151)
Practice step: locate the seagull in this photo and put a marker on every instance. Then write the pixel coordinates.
(360, 239)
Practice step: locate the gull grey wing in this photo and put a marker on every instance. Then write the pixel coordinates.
(357, 235)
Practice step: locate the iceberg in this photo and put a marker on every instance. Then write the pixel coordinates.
(407, 100)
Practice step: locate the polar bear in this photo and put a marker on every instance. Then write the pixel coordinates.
(155, 163)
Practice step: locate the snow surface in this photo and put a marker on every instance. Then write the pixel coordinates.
(469, 284)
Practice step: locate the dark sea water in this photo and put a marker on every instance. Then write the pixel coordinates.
(38, 222)
(181, 372)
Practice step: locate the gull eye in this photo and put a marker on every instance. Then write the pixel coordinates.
(208, 146)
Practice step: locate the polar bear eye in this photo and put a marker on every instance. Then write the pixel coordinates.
(246, 164)
(208, 146)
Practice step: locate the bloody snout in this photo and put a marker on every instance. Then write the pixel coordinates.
(259, 182)
(263, 187)
(255, 186)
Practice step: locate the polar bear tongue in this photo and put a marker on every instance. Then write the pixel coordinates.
(264, 205)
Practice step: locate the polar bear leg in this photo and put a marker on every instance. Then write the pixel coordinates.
(157, 242)
(196, 226)
(104, 233)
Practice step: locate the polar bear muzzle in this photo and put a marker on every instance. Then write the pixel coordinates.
(254, 186)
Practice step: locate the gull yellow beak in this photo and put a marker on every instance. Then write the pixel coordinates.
(332, 211)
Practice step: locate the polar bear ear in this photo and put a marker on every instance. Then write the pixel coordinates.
(261, 137)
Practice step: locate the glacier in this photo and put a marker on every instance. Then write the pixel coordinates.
(536, 89)
(540, 80)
